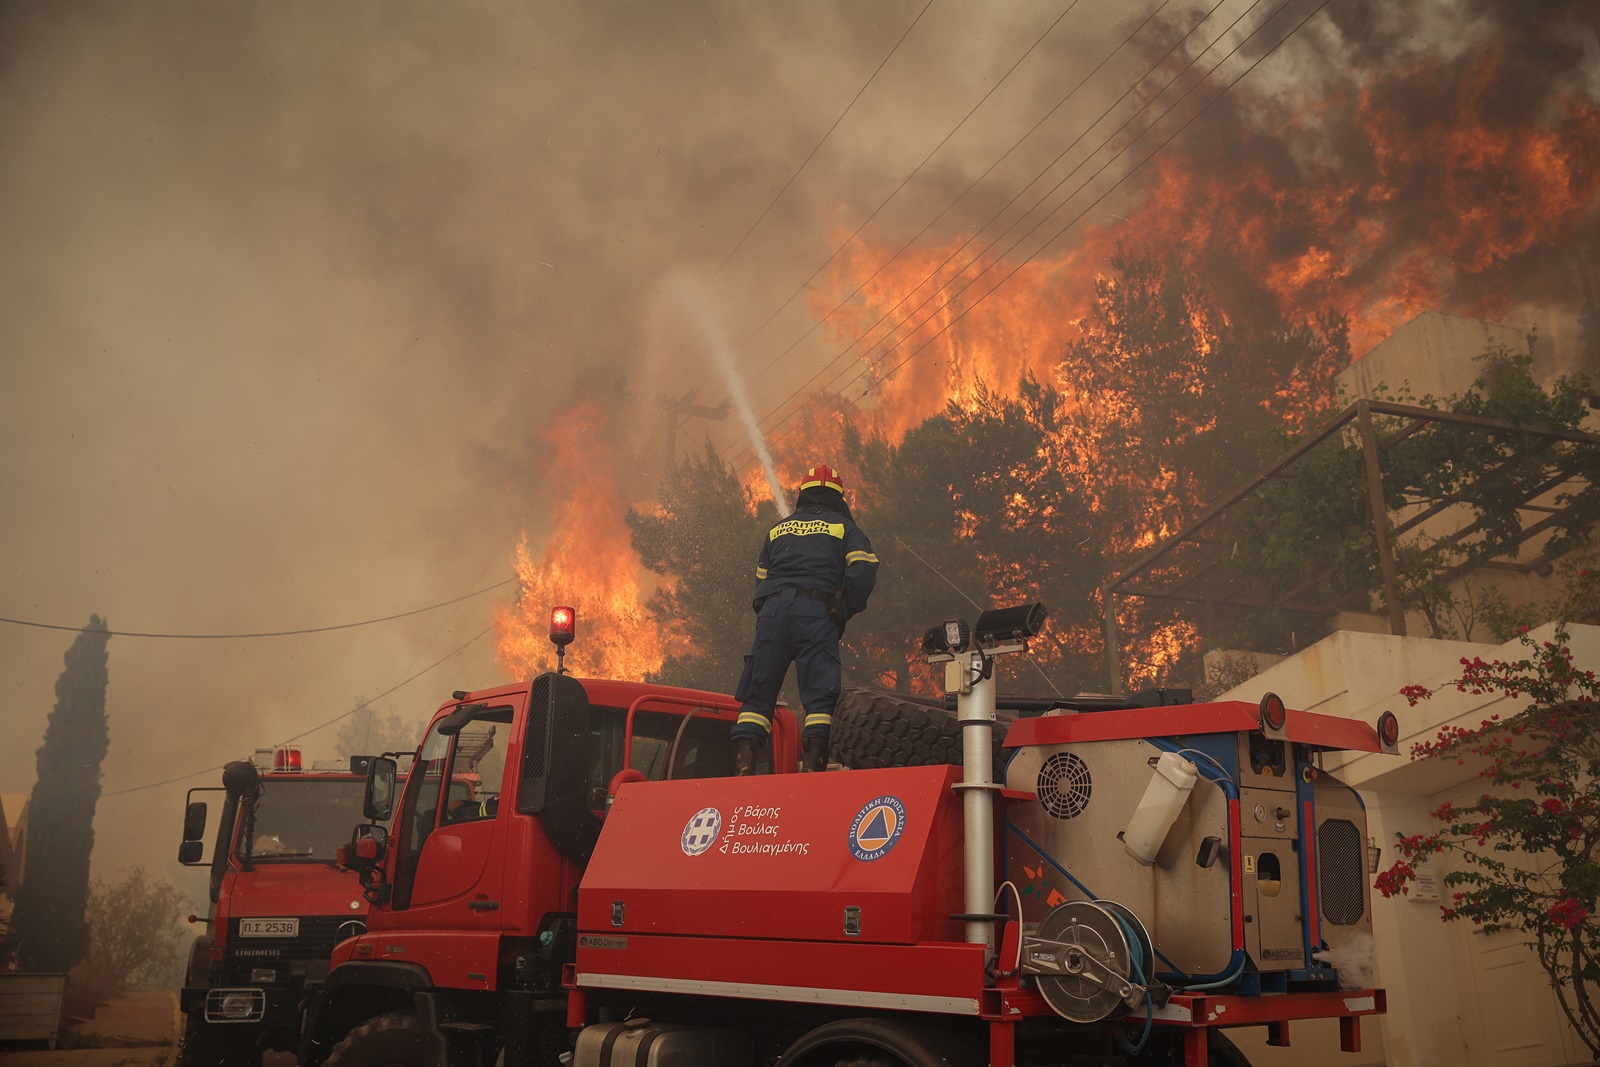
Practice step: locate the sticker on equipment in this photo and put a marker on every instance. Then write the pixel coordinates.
(700, 833)
(877, 827)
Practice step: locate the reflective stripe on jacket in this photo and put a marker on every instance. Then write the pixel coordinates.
(818, 548)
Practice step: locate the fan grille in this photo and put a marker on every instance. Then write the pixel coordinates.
(1342, 871)
(1064, 785)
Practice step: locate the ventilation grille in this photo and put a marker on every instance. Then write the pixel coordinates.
(535, 743)
(246, 955)
(1064, 785)
(1341, 871)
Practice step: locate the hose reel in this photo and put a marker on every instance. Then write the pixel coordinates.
(1091, 960)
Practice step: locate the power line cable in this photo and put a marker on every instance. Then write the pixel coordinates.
(1129, 173)
(1107, 140)
(1045, 196)
(273, 633)
(825, 137)
(345, 715)
(946, 326)
(957, 251)
(886, 200)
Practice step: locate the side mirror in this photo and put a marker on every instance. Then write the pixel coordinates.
(367, 847)
(189, 853)
(194, 821)
(378, 804)
(371, 842)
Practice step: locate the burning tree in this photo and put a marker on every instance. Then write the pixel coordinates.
(1459, 180)
(1039, 493)
(1529, 842)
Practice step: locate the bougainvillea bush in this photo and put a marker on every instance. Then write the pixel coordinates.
(1529, 840)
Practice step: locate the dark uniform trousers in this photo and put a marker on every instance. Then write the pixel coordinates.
(789, 629)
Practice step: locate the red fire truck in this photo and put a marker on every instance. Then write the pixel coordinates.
(279, 900)
(1143, 878)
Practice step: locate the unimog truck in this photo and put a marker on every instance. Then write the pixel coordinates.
(1140, 880)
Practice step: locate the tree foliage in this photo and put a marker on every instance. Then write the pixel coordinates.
(370, 731)
(1171, 400)
(1308, 535)
(703, 537)
(1041, 491)
(970, 505)
(1529, 842)
(136, 933)
(49, 931)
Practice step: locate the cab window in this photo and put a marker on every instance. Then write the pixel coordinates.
(419, 811)
(477, 767)
(702, 748)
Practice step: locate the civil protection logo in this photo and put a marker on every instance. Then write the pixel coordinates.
(700, 833)
(877, 827)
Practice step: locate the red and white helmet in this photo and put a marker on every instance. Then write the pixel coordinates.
(826, 477)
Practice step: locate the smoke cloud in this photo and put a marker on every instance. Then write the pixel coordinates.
(297, 292)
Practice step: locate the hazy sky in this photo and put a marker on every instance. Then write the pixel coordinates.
(291, 289)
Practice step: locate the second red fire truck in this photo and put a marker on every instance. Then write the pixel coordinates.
(279, 900)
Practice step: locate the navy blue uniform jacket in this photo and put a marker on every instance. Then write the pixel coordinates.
(817, 548)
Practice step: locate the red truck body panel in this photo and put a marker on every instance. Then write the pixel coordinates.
(780, 858)
(1186, 720)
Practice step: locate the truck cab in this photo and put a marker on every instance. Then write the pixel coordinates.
(280, 902)
(477, 894)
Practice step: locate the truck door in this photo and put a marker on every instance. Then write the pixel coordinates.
(449, 818)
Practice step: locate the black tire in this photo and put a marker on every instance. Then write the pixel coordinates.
(394, 1040)
(1168, 1052)
(1224, 1053)
(884, 728)
(217, 1045)
(868, 1061)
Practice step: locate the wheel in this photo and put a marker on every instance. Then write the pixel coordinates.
(1224, 1053)
(1220, 1052)
(883, 728)
(216, 1045)
(868, 1061)
(393, 1040)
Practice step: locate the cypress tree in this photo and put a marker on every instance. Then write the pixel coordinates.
(49, 927)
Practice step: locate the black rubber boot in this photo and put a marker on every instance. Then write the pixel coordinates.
(744, 757)
(813, 754)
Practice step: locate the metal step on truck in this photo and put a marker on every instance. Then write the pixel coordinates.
(1141, 880)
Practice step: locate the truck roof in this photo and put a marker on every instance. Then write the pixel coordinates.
(1187, 720)
(613, 693)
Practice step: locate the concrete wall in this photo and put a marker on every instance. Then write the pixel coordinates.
(1436, 355)
(1359, 675)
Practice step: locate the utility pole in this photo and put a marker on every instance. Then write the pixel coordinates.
(677, 409)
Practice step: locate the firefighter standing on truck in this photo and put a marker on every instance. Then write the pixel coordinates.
(815, 571)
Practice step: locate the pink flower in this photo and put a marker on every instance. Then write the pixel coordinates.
(1568, 913)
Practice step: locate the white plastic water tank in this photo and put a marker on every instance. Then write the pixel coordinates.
(1163, 799)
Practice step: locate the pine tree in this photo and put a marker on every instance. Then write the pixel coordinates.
(50, 928)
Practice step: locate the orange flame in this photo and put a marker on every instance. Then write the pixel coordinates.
(589, 563)
(1422, 190)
